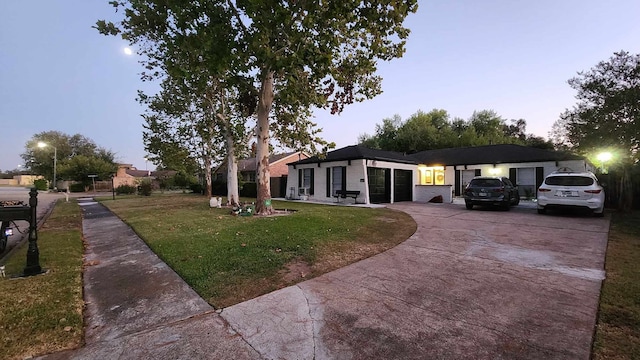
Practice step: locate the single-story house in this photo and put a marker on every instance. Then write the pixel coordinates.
(21, 180)
(278, 170)
(127, 174)
(387, 177)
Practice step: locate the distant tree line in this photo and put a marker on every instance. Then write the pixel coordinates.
(76, 156)
(436, 130)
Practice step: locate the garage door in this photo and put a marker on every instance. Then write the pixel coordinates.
(379, 185)
(402, 185)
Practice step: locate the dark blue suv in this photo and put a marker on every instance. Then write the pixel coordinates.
(492, 191)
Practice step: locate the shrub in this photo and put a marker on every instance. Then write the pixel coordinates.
(184, 180)
(40, 184)
(197, 188)
(145, 188)
(249, 189)
(76, 187)
(125, 189)
(219, 188)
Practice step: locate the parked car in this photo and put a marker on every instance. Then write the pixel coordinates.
(566, 189)
(494, 191)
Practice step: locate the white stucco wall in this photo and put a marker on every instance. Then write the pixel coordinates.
(424, 193)
(357, 177)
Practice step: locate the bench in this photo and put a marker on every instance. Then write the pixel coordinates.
(345, 194)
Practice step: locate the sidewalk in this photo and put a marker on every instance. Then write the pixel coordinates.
(139, 308)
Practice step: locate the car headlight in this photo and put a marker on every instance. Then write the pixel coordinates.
(8, 232)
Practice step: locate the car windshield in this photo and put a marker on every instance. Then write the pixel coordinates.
(485, 183)
(569, 180)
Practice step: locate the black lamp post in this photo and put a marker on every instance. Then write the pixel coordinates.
(33, 255)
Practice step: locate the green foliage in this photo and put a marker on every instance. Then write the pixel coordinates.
(606, 116)
(219, 188)
(40, 184)
(211, 54)
(145, 188)
(76, 156)
(79, 167)
(76, 187)
(183, 180)
(197, 188)
(435, 130)
(125, 189)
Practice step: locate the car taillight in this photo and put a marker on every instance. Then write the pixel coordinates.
(498, 190)
(543, 190)
(593, 191)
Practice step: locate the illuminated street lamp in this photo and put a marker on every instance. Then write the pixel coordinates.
(55, 160)
(603, 158)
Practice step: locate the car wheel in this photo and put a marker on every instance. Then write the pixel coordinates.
(599, 214)
(3, 243)
(468, 205)
(542, 211)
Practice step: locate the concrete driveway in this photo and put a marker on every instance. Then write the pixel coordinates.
(478, 284)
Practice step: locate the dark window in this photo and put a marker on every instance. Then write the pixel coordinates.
(485, 183)
(337, 180)
(569, 181)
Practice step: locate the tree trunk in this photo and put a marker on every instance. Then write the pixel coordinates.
(625, 196)
(262, 172)
(207, 174)
(233, 198)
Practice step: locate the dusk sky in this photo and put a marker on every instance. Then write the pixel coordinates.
(514, 57)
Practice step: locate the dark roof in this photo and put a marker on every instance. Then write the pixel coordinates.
(356, 152)
(490, 154)
(138, 173)
(252, 165)
(146, 173)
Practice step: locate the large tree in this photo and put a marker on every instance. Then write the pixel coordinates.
(91, 159)
(606, 116)
(192, 47)
(434, 130)
(301, 54)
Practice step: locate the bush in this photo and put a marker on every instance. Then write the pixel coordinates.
(125, 189)
(183, 180)
(145, 188)
(40, 184)
(219, 188)
(249, 189)
(76, 187)
(196, 188)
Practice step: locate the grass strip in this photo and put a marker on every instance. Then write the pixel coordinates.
(228, 259)
(42, 314)
(618, 327)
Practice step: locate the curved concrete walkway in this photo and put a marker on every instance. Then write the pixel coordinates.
(466, 285)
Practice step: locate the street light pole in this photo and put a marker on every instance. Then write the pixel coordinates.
(42, 144)
(55, 165)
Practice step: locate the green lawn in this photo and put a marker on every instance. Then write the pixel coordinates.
(618, 328)
(42, 314)
(228, 259)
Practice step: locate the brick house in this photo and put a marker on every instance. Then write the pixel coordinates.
(278, 170)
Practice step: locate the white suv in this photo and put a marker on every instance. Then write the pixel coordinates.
(562, 189)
